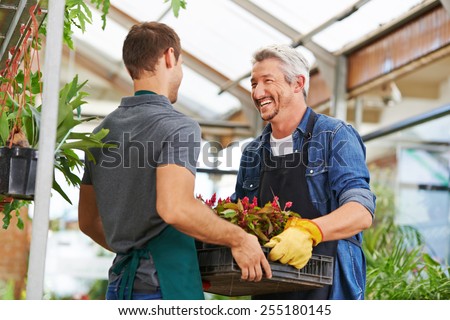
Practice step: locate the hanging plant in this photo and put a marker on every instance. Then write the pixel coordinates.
(20, 123)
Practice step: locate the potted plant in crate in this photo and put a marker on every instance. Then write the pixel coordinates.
(264, 222)
(221, 274)
(20, 122)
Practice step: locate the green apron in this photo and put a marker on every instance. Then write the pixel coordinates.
(176, 263)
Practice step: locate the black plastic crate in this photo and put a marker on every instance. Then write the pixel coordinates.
(218, 267)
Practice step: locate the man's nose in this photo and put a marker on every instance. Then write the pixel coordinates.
(258, 91)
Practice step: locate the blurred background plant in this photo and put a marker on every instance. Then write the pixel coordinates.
(399, 265)
(7, 290)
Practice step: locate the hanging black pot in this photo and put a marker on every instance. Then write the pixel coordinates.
(18, 172)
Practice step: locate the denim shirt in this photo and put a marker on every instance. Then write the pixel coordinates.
(336, 174)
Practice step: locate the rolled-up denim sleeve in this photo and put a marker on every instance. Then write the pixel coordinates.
(348, 173)
(362, 196)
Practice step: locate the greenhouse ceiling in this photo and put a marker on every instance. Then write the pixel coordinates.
(218, 39)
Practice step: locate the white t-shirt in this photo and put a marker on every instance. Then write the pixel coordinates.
(283, 146)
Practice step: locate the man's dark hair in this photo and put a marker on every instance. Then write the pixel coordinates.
(145, 44)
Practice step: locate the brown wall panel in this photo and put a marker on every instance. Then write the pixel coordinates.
(319, 91)
(410, 42)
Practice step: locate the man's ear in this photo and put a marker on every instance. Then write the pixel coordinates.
(169, 58)
(299, 83)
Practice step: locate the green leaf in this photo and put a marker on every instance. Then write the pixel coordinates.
(6, 219)
(36, 125)
(240, 207)
(231, 205)
(15, 207)
(36, 83)
(229, 213)
(20, 77)
(4, 128)
(429, 260)
(266, 209)
(19, 223)
(176, 5)
(58, 189)
(87, 11)
(260, 234)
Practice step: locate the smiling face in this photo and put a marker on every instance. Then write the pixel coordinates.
(271, 93)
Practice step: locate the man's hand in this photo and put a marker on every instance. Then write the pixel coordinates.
(294, 245)
(250, 258)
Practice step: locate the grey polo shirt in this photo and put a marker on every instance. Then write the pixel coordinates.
(148, 132)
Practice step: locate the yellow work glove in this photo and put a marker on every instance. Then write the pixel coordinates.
(294, 245)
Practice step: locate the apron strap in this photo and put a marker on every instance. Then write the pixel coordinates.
(308, 135)
(175, 258)
(354, 241)
(129, 266)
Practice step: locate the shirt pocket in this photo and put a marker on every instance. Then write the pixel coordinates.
(317, 179)
(251, 185)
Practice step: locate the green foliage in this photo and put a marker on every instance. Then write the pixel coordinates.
(105, 5)
(7, 290)
(398, 266)
(176, 6)
(77, 14)
(66, 160)
(98, 289)
(263, 222)
(10, 208)
(23, 91)
(27, 86)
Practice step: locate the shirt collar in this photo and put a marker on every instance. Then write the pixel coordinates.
(265, 135)
(142, 92)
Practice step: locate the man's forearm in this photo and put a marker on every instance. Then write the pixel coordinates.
(200, 222)
(344, 222)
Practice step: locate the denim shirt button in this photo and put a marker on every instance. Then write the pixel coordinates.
(251, 186)
(311, 171)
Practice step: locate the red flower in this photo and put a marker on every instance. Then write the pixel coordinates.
(287, 205)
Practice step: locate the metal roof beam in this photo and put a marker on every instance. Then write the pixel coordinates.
(13, 26)
(302, 39)
(446, 4)
(217, 78)
(286, 29)
(117, 82)
(341, 16)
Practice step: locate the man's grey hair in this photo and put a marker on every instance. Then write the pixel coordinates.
(292, 61)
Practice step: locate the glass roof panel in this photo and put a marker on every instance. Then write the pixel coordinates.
(367, 19)
(205, 93)
(303, 15)
(142, 10)
(107, 42)
(222, 34)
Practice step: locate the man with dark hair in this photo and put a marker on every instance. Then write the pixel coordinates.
(138, 200)
(315, 161)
